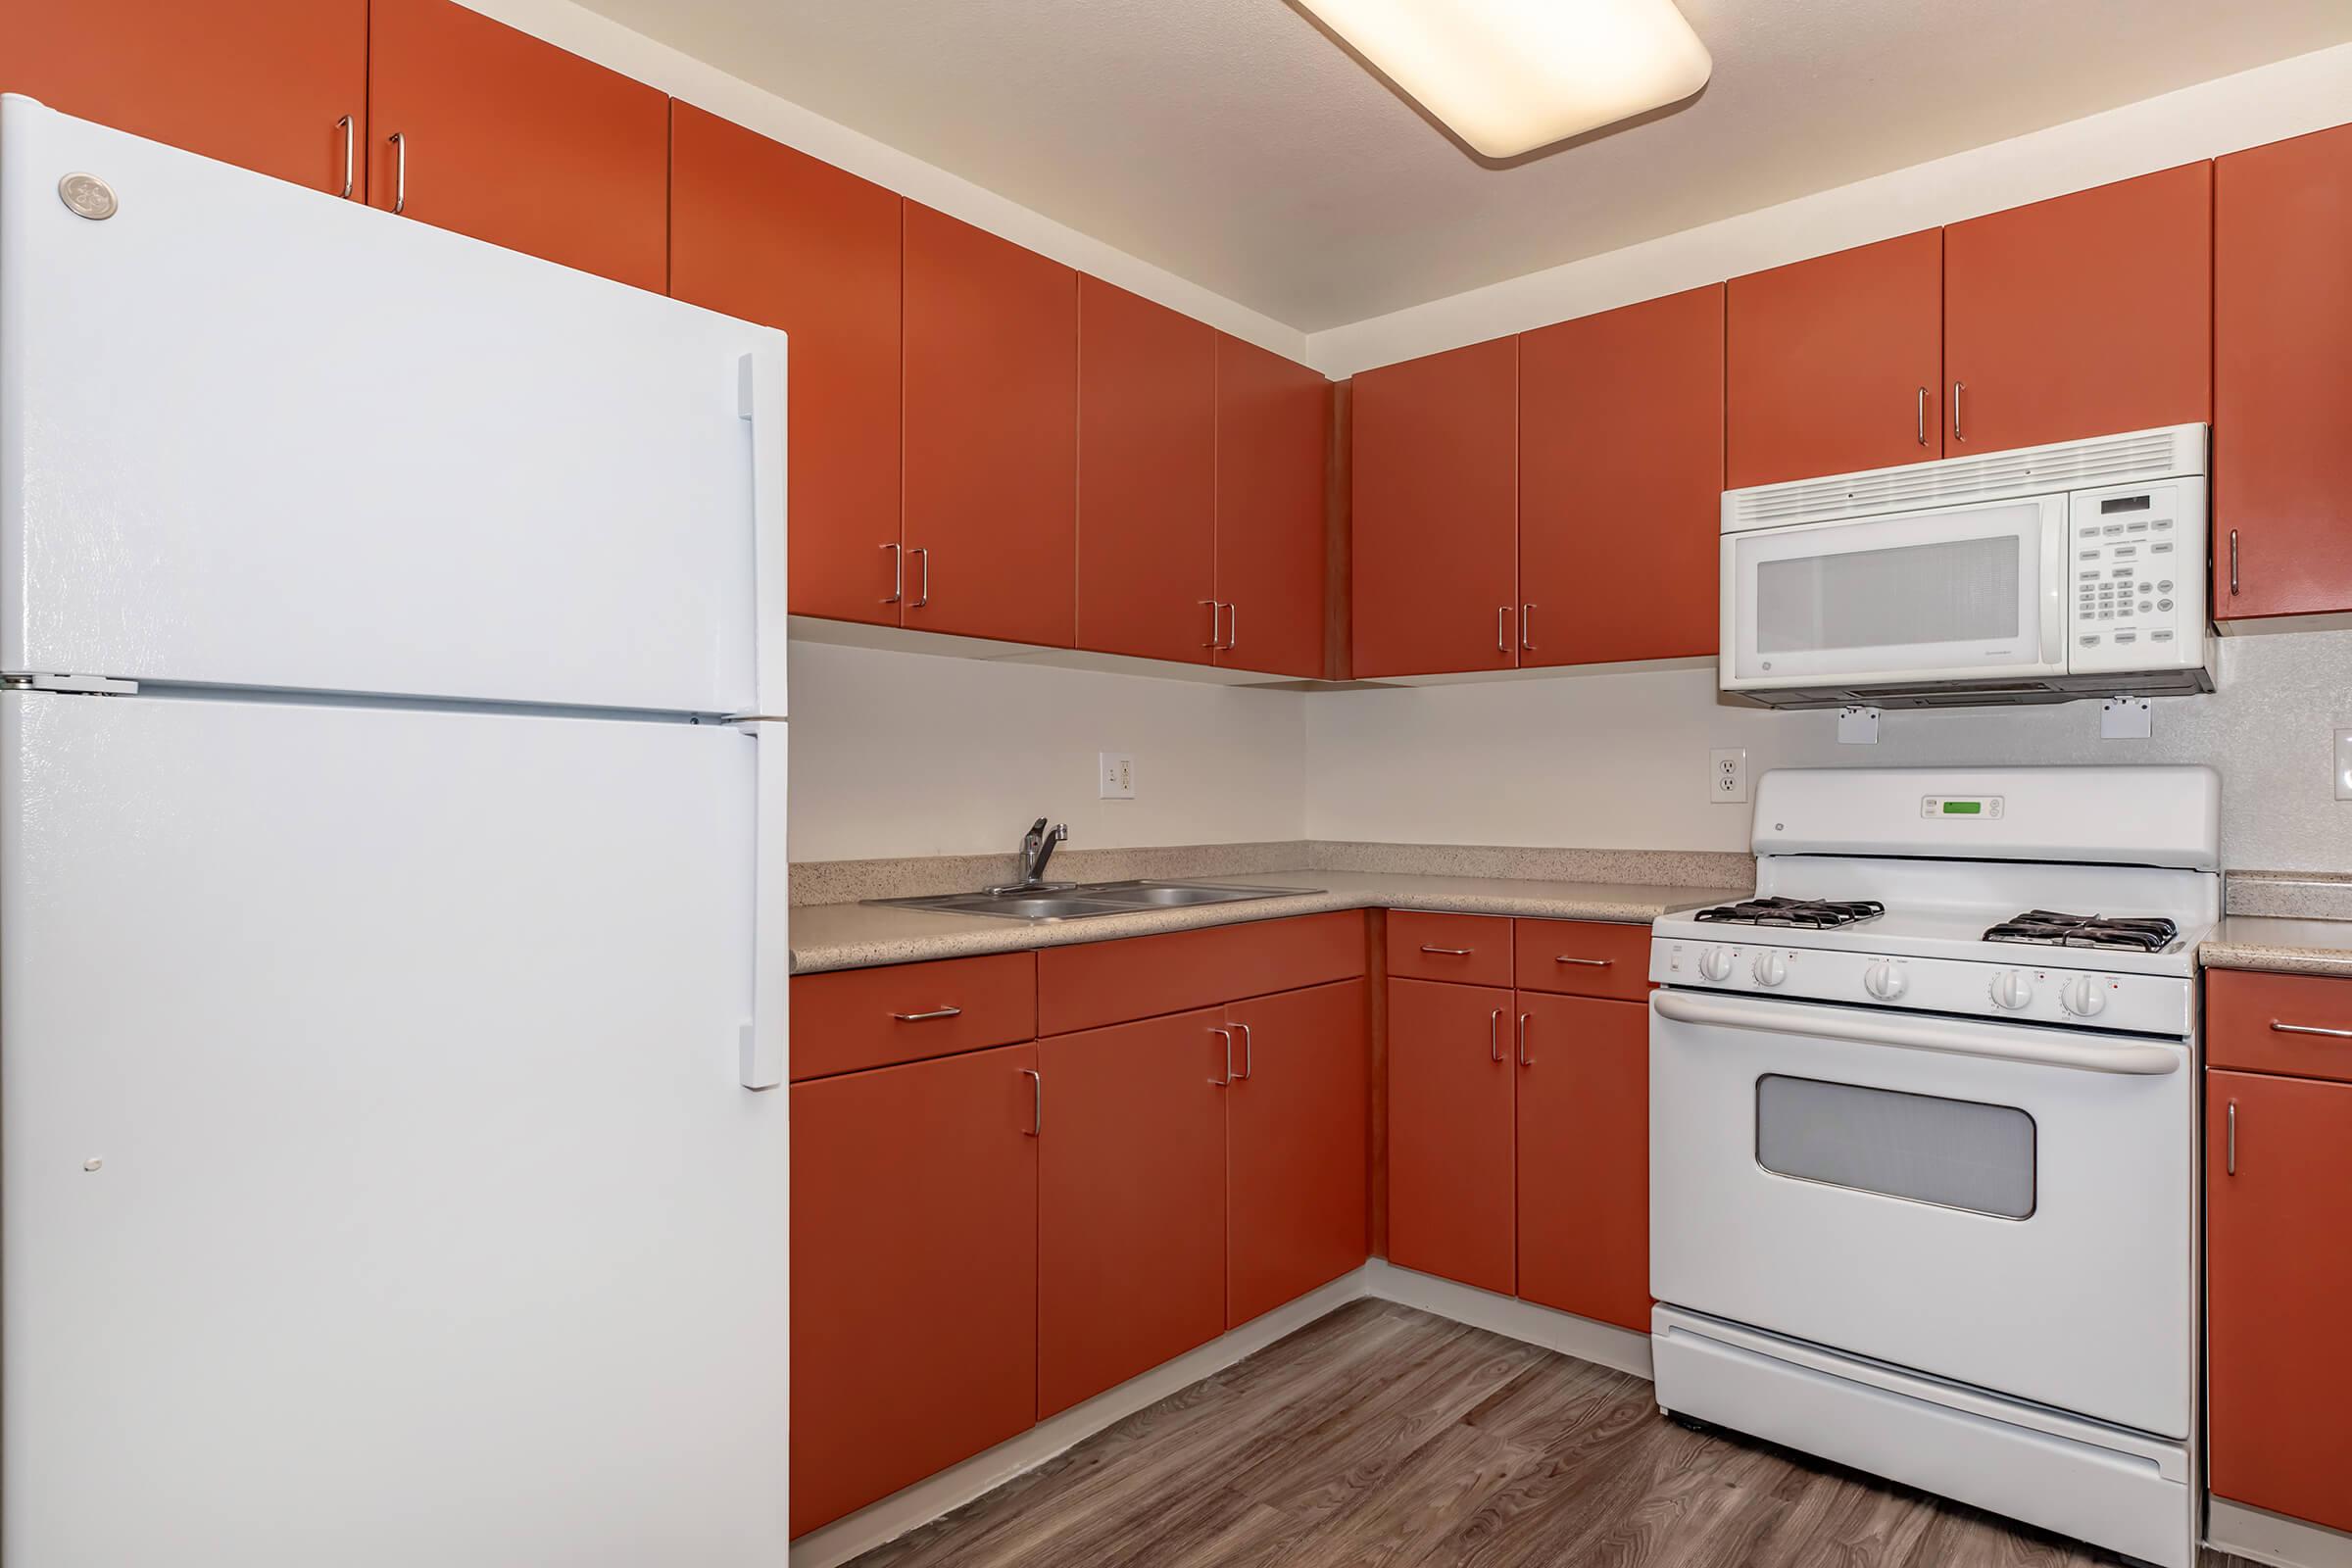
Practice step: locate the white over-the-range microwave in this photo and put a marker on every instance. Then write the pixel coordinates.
(2040, 575)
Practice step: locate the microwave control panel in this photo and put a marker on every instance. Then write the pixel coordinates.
(2136, 562)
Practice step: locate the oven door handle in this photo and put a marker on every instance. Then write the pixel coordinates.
(1917, 1034)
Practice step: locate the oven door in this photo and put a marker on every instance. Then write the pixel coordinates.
(1960, 593)
(2003, 1206)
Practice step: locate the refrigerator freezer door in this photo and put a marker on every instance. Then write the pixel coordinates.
(250, 435)
(378, 1186)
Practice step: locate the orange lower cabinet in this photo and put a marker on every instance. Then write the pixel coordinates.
(913, 1274)
(1450, 1163)
(1584, 1157)
(1294, 1133)
(1131, 1201)
(2279, 1363)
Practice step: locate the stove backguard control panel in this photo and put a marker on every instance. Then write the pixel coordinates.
(2136, 560)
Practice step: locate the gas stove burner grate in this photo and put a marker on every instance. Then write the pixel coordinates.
(2151, 934)
(1813, 915)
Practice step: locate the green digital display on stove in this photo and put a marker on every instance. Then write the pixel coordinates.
(1962, 808)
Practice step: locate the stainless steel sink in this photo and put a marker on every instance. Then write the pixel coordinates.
(1087, 899)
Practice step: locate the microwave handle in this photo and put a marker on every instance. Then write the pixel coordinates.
(1915, 1034)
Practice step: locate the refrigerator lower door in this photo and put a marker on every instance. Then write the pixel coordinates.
(255, 436)
(378, 1184)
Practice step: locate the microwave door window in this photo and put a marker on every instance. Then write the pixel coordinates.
(1958, 591)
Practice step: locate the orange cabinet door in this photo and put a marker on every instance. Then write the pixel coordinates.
(1295, 1136)
(2279, 1363)
(1273, 447)
(481, 128)
(1621, 482)
(2085, 315)
(1835, 364)
(913, 1274)
(992, 436)
(1451, 1132)
(275, 86)
(760, 231)
(1436, 512)
(1147, 477)
(2283, 377)
(1584, 1157)
(1131, 1201)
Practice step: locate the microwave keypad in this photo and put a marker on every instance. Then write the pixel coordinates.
(2122, 583)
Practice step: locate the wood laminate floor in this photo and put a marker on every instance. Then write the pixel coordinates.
(1384, 1436)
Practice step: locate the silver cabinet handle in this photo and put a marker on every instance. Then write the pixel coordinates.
(1958, 387)
(400, 172)
(1446, 953)
(898, 573)
(1036, 1106)
(1233, 625)
(345, 126)
(922, 593)
(2233, 562)
(1923, 416)
(2309, 1029)
(926, 1018)
(1215, 610)
(2232, 1160)
(1494, 1033)
(1503, 628)
(1524, 1061)
(1527, 627)
(1248, 1053)
(1589, 964)
(1225, 1035)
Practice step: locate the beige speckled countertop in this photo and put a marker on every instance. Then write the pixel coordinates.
(2284, 945)
(854, 935)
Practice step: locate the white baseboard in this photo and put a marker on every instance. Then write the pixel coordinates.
(951, 1489)
(2260, 1535)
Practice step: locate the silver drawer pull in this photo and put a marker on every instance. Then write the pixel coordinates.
(1446, 953)
(2307, 1029)
(926, 1018)
(1589, 964)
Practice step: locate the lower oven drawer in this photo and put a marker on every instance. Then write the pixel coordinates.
(1998, 1204)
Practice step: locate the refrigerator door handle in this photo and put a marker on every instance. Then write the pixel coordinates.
(762, 1048)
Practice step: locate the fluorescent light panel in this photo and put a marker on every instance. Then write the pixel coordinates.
(1510, 76)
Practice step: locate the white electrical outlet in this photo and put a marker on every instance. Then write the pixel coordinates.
(2343, 764)
(1727, 774)
(1116, 770)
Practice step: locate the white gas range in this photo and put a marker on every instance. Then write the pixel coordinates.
(1922, 1125)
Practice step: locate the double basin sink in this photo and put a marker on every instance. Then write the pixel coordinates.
(1082, 900)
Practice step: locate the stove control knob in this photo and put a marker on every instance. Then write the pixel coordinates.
(1715, 963)
(1884, 981)
(1770, 969)
(2084, 995)
(2011, 990)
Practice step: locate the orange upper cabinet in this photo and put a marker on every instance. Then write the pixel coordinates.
(478, 127)
(1273, 447)
(275, 86)
(2283, 377)
(1620, 483)
(1147, 477)
(760, 231)
(1436, 512)
(2082, 316)
(992, 436)
(1833, 365)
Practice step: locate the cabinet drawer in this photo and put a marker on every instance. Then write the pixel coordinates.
(1583, 957)
(1100, 983)
(2257, 1022)
(1472, 948)
(857, 1019)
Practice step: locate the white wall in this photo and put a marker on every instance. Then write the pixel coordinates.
(897, 753)
(1620, 761)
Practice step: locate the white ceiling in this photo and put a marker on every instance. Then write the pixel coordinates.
(1234, 144)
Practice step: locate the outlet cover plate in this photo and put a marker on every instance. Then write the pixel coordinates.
(1116, 772)
(1727, 775)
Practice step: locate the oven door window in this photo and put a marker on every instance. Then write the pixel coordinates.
(1954, 1153)
(1952, 593)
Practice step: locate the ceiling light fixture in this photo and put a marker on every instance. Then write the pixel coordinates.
(1510, 75)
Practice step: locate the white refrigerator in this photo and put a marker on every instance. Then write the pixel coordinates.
(392, 889)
